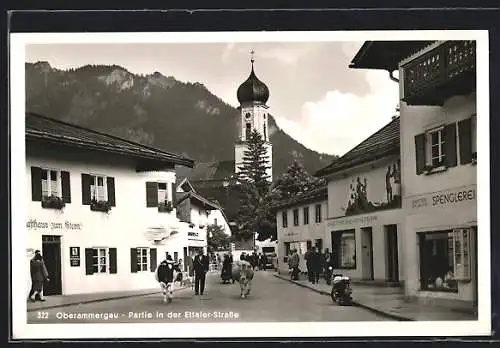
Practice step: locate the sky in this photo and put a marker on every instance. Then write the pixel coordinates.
(314, 96)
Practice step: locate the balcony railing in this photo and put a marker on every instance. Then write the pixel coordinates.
(447, 70)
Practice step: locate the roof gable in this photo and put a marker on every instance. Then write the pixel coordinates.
(384, 142)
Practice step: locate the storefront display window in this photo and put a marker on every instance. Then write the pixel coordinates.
(344, 249)
(444, 259)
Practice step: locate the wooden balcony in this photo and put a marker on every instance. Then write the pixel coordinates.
(446, 71)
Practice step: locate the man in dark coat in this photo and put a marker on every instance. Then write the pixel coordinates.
(200, 264)
(39, 276)
(315, 265)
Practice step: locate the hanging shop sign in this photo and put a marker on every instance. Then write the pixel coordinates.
(74, 256)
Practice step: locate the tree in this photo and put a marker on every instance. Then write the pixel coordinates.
(296, 180)
(254, 215)
(217, 238)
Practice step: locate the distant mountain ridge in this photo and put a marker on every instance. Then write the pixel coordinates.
(155, 110)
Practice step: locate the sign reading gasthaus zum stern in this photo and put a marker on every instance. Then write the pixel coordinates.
(451, 198)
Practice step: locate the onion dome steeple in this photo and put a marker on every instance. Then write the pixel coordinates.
(253, 90)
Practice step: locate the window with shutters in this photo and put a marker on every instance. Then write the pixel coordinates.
(98, 188)
(435, 148)
(306, 215)
(162, 192)
(142, 259)
(100, 262)
(295, 217)
(51, 183)
(318, 213)
(284, 219)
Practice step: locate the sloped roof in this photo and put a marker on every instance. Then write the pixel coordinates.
(385, 55)
(181, 196)
(50, 130)
(384, 142)
(318, 194)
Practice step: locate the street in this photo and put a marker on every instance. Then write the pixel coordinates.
(271, 300)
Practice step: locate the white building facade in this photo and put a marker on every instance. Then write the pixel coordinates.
(91, 211)
(301, 225)
(437, 81)
(365, 219)
(438, 132)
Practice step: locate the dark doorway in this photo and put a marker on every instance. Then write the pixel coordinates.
(391, 247)
(51, 252)
(367, 254)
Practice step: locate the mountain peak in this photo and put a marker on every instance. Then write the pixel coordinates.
(43, 66)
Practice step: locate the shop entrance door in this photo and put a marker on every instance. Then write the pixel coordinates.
(51, 252)
(367, 253)
(391, 246)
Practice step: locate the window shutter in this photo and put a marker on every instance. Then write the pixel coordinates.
(465, 140)
(112, 261)
(36, 184)
(152, 259)
(86, 182)
(172, 189)
(450, 145)
(151, 194)
(420, 153)
(89, 261)
(111, 191)
(133, 260)
(66, 187)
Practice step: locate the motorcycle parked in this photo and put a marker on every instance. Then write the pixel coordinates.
(341, 289)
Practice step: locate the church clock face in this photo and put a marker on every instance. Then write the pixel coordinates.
(247, 116)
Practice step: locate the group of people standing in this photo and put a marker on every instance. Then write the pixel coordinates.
(317, 263)
(256, 260)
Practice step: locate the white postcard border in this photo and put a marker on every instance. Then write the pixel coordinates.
(22, 330)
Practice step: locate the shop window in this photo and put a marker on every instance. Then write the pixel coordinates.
(318, 213)
(284, 219)
(444, 259)
(295, 217)
(344, 249)
(142, 259)
(306, 215)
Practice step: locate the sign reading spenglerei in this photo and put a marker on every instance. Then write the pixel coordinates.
(445, 198)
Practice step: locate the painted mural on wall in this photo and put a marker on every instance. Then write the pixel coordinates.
(358, 202)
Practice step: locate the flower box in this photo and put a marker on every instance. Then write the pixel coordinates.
(165, 207)
(53, 202)
(103, 206)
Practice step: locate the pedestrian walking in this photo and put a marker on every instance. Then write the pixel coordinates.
(293, 263)
(200, 265)
(315, 265)
(307, 257)
(39, 276)
(226, 273)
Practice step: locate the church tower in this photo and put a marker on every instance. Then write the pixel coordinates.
(252, 96)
